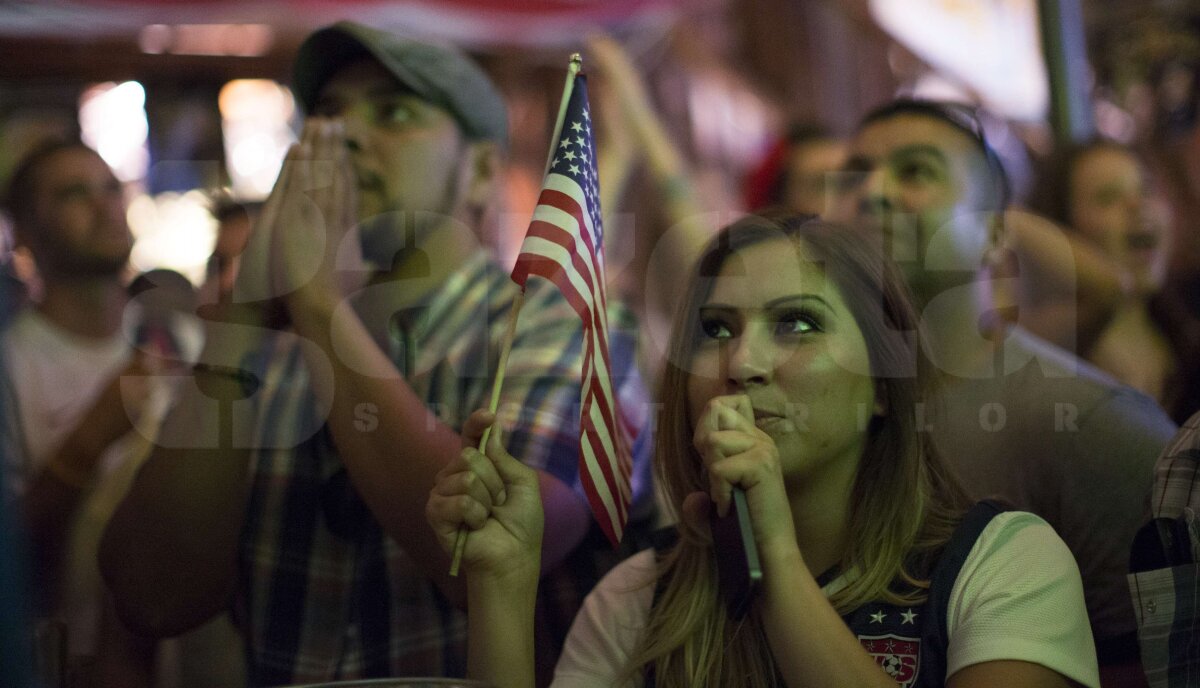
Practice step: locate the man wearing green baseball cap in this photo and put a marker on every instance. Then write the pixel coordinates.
(363, 330)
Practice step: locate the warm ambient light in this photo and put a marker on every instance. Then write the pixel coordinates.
(172, 230)
(112, 120)
(993, 47)
(256, 119)
(229, 40)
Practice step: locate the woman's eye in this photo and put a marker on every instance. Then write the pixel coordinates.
(714, 328)
(797, 323)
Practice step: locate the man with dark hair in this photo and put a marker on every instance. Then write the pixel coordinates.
(304, 504)
(67, 414)
(1018, 417)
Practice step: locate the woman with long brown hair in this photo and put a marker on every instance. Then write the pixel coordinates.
(1102, 192)
(796, 375)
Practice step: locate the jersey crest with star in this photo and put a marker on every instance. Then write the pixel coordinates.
(891, 634)
(899, 656)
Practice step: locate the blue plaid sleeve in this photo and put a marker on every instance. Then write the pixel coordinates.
(539, 406)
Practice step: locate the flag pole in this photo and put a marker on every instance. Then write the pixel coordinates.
(573, 69)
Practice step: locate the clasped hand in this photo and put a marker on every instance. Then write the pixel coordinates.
(737, 452)
(497, 499)
(305, 248)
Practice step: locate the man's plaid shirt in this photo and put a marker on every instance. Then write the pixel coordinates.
(1165, 577)
(326, 594)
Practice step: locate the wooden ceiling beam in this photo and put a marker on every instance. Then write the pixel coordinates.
(27, 60)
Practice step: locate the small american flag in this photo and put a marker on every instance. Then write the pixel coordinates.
(565, 245)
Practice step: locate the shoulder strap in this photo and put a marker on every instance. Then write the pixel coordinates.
(934, 635)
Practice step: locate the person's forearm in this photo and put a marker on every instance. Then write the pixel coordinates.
(1070, 325)
(1064, 265)
(1069, 289)
(169, 552)
(569, 523)
(688, 226)
(500, 630)
(49, 505)
(673, 255)
(392, 459)
(812, 645)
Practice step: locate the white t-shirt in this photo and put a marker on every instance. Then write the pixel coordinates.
(1017, 597)
(56, 376)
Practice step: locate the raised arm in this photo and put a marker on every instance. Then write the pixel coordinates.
(673, 251)
(55, 492)
(1069, 289)
(352, 375)
(498, 499)
(169, 552)
(391, 462)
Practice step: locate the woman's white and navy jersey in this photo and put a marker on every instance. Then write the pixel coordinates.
(1005, 588)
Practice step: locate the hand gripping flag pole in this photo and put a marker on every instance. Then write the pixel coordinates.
(564, 244)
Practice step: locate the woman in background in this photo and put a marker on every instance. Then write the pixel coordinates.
(798, 172)
(1101, 192)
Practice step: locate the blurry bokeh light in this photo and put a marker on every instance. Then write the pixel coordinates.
(729, 122)
(991, 46)
(172, 230)
(256, 117)
(235, 40)
(112, 120)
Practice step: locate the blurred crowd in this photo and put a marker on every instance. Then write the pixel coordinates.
(258, 479)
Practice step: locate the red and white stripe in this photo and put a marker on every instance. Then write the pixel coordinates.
(561, 246)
